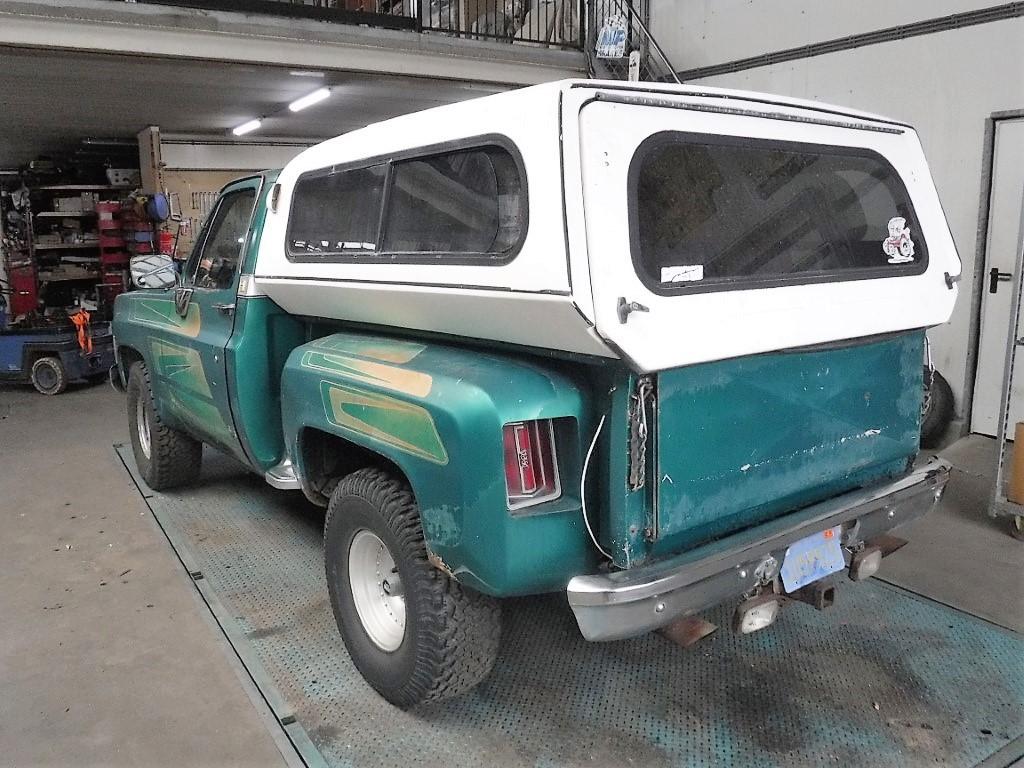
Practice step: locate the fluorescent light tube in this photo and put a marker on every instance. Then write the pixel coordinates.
(310, 99)
(248, 127)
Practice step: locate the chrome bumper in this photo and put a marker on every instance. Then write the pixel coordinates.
(626, 603)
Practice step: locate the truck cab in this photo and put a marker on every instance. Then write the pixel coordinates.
(655, 347)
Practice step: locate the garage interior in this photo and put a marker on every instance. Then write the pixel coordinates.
(192, 627)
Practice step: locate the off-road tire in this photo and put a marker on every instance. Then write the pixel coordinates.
(452, 633)
(939, 411)
(175, 457)
(48, 376)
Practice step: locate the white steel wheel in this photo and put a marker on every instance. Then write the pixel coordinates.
(142, 422)
(423, 638)
(376, 590)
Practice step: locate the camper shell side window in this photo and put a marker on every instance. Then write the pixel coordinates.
(728, 213)
(461, 203)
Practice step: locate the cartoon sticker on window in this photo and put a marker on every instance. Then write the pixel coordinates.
(898, 246)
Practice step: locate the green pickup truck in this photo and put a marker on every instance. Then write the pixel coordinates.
(657, 348)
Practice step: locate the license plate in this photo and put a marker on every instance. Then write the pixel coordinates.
(812, 558)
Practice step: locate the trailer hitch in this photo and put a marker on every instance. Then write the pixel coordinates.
(820, 594)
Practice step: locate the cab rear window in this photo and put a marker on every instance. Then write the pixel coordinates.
(465, 206)
(720, 213)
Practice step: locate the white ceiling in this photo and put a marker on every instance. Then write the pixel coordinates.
(50, 100)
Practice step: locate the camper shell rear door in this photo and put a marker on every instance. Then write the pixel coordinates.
(683, 319)
(743, 264)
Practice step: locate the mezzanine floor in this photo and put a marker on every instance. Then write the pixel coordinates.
(886, 677)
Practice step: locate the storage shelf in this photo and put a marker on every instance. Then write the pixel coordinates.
(65, 246)
(80, 188)
(63, 215)
(47, 277)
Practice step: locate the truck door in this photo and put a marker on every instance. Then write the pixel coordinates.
(192, 371)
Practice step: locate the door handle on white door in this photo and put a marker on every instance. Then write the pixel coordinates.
(995, 277)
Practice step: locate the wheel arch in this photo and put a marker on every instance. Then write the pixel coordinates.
(127, 356)
(324, 458)
(32, 352)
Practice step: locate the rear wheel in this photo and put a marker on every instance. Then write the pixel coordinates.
(48, 376)
(938, 410)
(166, 457)
(413, 632)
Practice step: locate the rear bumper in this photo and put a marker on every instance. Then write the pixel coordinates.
(627, 603)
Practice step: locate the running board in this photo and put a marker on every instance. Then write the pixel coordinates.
(282, 476)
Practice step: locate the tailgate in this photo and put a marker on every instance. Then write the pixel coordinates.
(744, 440)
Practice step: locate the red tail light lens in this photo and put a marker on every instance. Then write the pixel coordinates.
(531, 467)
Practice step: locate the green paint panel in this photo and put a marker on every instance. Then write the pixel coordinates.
(458, 418)
(386, 350)
(186, 391)
(405, 426)
(200, 417)
(745, 440)
(159, 313)
(265, 335)
(180, 365)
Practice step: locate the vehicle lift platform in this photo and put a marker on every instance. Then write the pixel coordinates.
(884, 678)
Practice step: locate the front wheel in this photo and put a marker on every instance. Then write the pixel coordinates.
(166, 457)
(413, 632)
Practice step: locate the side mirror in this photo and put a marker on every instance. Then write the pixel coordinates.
(154, 270)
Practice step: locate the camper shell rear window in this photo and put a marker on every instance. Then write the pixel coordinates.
(463, 203)
(727, 213)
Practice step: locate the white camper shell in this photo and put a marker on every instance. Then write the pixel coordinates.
(664, 225)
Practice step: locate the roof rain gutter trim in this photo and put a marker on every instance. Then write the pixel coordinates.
(651, 101)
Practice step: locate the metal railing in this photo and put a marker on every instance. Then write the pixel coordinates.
(548, 23)
(620, 46)
(614, 34)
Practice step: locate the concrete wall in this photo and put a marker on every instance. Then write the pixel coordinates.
(696, 33)
(197, 154)
(946, 84)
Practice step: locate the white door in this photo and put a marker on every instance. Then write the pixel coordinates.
(1001, 264)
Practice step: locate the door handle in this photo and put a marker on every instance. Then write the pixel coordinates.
(224, 309)
(995, 277)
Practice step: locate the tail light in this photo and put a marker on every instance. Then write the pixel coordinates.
(531, 467)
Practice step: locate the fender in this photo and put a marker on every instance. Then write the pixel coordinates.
(436, 412)
(137, 315)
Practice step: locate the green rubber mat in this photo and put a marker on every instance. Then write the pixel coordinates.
(884, 678)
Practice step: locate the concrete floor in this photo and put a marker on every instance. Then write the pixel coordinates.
(959, 555)
(108, 657)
